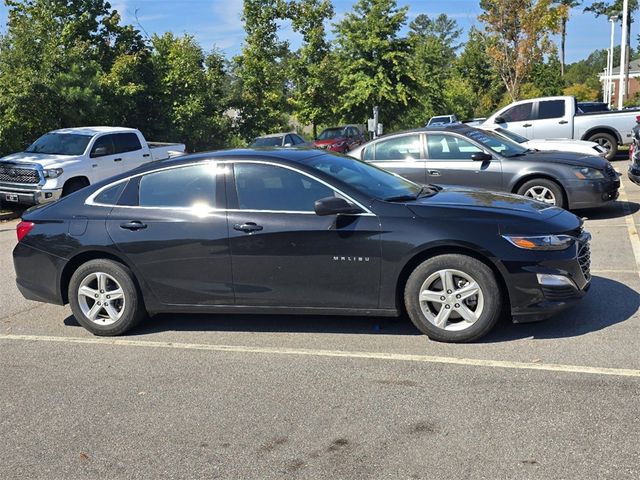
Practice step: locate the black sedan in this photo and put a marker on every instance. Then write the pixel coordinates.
(303, 232)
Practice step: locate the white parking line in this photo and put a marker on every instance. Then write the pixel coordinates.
(470, 362)
(631, 227)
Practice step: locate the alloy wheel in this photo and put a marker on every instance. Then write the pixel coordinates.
(101, 298)
(451, 300)
(541, 194)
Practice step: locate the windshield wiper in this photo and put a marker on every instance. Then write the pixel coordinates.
(425, 191)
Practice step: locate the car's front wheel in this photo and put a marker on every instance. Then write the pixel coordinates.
(104, 297)
(453, 298)
(543, 190)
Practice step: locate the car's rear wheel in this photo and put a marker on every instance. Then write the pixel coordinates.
(104, 298)
(453, 298)
(606, 141)
(543, 190)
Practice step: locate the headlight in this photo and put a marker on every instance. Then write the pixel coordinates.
(586, 173)
(543, 242)
(52, 172)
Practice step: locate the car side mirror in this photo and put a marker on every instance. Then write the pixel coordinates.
(500, 120)
(334, 206)
(99, 152)
(481, 157)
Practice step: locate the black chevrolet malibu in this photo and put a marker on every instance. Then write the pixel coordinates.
(299, 232)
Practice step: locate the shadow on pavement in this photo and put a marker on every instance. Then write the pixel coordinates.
(607, 303)
(613, 210)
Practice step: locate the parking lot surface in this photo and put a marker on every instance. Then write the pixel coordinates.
(239, 396)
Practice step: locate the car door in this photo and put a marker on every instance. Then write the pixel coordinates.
(105, 162)
(552, 120)
(450, 162)
(130, 150)
(401, 154)
(283, 254)
(171, 225)
(519, 119)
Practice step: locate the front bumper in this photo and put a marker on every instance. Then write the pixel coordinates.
(589, 194)
(534, 289)
(28, 196)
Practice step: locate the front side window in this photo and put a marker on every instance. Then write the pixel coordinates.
(126, 142)
(268, 187)
(400, 148)
(519, 113)
(60, 144)
(192, 186)
(449, 147)
(104, 146)
(551, 109)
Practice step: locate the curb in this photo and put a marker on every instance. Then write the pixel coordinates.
(9, 215)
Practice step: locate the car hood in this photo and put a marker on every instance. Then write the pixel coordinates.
(46, 160)
(329, 141)
(565, 158)
(510, 213)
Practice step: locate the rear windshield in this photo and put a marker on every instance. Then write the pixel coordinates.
(267, 142)
(331, 133)
(60, 144)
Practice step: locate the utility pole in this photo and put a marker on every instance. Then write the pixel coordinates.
(608, 82)
(622, 85)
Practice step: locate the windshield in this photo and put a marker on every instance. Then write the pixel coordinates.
(330, 133)
(60, 144)
(372, 181)
(495, 142)
(512, 135)
(439, 120)
(267, 142)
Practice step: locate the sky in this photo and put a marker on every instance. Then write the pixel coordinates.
(217, 23)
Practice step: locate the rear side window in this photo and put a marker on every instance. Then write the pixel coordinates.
(399, 148)
(519, 113)
(551, 109)
(183, 187)
(110, 195)
(127, 142)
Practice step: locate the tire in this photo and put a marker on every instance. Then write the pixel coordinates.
(467, 319)
(607, 141)
(106, 279)
(543, 190)
(73, 185)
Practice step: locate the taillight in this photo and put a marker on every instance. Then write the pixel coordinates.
(23, 229)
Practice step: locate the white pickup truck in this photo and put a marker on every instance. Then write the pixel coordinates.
(63, 161)
(560, 117)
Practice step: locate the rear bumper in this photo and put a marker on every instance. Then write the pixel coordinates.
(26, 196)
(33, 264)
(589, 194)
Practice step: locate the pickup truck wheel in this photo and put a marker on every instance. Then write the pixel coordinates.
(73, 185)
(104, 298)
(453, 298)
(543, 190)
(606, 141)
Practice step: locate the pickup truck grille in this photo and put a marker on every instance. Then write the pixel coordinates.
(12, 174)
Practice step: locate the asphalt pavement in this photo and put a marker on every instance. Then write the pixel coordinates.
(273, 397)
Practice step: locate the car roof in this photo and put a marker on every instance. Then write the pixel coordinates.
(94, 130)
(273, 135)
(456, 128)
(292, 155)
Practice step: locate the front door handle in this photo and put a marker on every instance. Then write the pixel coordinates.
(563, 122)
(117, 159)
(133, 225)
(527, 125)
(248, 227)
(435, 173)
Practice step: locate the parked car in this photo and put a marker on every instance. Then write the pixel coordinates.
(551, 144)
(559, 117)
(302, 232)
(288, 139)
(442, 120)
(462, 155)
(590, 107)
(634, 155)
(63, 161)
(340, 139)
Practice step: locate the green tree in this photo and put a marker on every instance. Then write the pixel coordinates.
(374, 62)
(313, 70)
(547, 77)
(569, 4)
(261, 69)
(519, 34)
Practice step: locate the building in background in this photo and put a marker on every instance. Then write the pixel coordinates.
(634, 80)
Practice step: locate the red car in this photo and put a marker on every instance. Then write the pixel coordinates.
(339, 139)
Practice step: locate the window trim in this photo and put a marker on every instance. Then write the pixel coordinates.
(91, 199)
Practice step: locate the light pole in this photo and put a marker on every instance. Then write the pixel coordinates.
(608, 82)
(622, 86)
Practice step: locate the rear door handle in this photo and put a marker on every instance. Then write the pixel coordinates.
(145, 155)
(526, 125)
(563, 122)
(247, 227)
(133, 225)
(117, 159)
(435, 173)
